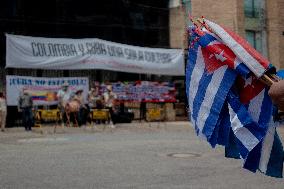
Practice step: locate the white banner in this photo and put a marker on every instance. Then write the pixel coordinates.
(43, 90)
(75, 54)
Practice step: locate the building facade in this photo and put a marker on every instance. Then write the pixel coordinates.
(259, 21)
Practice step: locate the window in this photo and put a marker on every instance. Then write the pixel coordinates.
(254, 38)
(251, 8)
(137, 20)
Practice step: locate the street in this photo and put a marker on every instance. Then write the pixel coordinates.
(138, 155)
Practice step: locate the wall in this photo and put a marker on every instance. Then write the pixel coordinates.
(274, 32)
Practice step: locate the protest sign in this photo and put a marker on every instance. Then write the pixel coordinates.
(43, 90)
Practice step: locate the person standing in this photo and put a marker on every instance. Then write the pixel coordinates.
(25, 106)
(109, 98)
(83, 110)
(3, 111)
(63, 96)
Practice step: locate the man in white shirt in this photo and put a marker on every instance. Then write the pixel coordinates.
(109, 98)
(63, 96)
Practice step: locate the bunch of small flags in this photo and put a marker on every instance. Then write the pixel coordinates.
(227, 89)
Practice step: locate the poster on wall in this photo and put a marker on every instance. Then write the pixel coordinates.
(146, 91)
(43, 90)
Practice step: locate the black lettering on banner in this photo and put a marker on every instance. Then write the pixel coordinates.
(52, 50)
(166, 57)
(115, 51)
(163, 58)
(153, 56)
(157, 57)
(96, 48)
(34, 49)
(103, 49)
(140, 56)
(40, 82)
(126, 52)
(38, 49)
(64, 49)
(119, 52)
(59, 82)
(42, 51)
(83, 82)
(58, 50)
(29, 82)
(50, 82)
(111, 50)
(81, 48)
(12, 82)
(73, 50)
(130, 54)
(90, 48)
(149, 56)
(49, 50)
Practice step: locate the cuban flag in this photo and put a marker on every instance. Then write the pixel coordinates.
(210, 75)
(229, 106)
(263, 150)
(242, 49)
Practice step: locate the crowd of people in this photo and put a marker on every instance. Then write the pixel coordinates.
(73, 106)
(76, 103)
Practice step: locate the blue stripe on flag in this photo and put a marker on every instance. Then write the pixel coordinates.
(222, 130)
(206, 39)
(203, 84)
(252, 160)
(242, 149)
(225, 127)
(275, 164)
(190, 65)
(266, 111)
(243, 70)
(247, 132)
(244, 116)
(219, 99)
(232, 149)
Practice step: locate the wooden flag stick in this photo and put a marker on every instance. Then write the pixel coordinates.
(267, 80)
(274, 77)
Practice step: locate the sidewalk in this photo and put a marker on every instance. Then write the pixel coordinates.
(136, 126)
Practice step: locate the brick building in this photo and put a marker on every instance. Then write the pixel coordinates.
(259, 21)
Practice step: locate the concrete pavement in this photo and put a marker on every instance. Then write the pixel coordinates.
(165, 155)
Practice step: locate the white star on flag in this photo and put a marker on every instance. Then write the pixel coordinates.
(249, 82)
(220, 56)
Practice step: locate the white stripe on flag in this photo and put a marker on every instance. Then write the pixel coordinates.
(213, 34)
(255, 104)
(267, 144)
(210, 93)
(242, 133)
(237, 62)
(215, 42)
(240, 52)
(195, 78)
